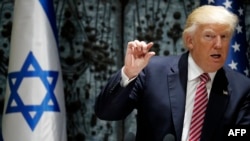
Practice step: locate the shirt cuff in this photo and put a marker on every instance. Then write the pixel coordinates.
(125, 80)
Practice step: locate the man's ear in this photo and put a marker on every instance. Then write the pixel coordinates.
(189, 41)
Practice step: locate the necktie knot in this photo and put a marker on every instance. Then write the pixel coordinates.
(204, 77)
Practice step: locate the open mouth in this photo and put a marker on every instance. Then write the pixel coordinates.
(216, 56)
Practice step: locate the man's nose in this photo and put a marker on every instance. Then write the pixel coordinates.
(218, 43)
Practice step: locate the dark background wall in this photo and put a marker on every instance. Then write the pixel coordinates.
(92, 36)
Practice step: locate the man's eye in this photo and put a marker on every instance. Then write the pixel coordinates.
(209, 36)
(224, 37)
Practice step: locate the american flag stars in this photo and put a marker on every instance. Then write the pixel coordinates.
(227, 4)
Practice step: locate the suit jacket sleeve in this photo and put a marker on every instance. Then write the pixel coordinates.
(116, 102)
(239, 101)
(244, 113)
(243, 117)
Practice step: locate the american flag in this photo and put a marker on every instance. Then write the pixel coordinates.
(237, 57)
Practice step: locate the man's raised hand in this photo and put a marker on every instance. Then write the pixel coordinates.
(137, 57)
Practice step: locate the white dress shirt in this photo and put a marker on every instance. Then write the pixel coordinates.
(194, 72)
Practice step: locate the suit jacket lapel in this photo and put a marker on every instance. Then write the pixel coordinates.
(178, 77)
(217, 104)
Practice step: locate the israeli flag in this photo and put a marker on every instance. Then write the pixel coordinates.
(34, 108)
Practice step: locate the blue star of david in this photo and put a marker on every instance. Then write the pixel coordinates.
(46, 102)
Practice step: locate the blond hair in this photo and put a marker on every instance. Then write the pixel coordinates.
(209, 14)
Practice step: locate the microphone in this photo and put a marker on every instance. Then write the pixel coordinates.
(169, 137)
(129, 136)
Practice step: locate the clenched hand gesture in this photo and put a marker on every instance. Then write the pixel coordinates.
(137, 57)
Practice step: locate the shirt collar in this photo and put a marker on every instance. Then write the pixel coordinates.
(196, 70)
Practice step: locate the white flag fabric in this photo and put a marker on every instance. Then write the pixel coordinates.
(34, 108)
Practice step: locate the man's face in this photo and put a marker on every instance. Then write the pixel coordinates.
(209, 46)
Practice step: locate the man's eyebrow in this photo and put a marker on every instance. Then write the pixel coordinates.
(208, 31)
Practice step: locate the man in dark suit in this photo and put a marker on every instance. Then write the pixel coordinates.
(163, 89)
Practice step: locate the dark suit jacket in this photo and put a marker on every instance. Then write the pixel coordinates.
(159, 93)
